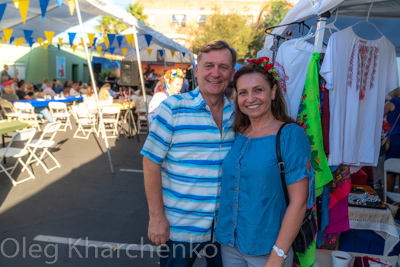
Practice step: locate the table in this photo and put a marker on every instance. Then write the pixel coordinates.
(11, 126)
(45, 102)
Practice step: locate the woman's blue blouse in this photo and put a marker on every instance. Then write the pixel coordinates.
(252, 203)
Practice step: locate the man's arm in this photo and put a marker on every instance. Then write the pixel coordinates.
(158, 231)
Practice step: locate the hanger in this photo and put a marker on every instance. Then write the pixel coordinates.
(367, 20)
(300, 41)
(331, 26)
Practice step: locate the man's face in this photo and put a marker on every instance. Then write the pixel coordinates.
(6, 67)
(214, 72)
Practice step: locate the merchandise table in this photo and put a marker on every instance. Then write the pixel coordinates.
(41, 102)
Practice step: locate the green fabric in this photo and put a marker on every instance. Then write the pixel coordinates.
(309, 118)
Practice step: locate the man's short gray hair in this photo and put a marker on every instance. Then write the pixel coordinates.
(217, 45)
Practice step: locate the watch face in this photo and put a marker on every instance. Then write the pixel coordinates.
(280, 252)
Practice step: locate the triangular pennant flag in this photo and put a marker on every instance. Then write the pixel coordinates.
(98, 49)
(3, 40)
(43, 7)
(111, 38)
(21, 40)
(2, 8)
(31, 42)
(172, 53)
(60, 40)
(40, 41)
(183, 54)
(49, 36)
(129, 38)
(94, 42)
(124, 50)
(11, 40)
(7, 34)
(71, 5)
(119, 40)
(59, 2)
(71, 37)
(82, 42)
(45, 45)
(16, 4)
(28, 35)
(112, 49)
(58, 47)
(73, 48)
(23, 9)
(91, 38)
(148, 38)
(149, 51)
(17, 43)
(106, 41)
(161, 53)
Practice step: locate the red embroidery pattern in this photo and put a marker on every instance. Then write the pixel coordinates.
(280, 71)
(367, 57)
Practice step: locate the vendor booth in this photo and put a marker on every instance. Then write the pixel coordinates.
(337, 63)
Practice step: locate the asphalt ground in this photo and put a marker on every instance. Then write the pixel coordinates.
(80, 214)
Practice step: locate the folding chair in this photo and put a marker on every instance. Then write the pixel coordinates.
(391, 165)
(26, 112)
(110, 118)
(142, 121)
(60, 113)
(8, 110)
(17, 153)
(45, 142)
(86, 121)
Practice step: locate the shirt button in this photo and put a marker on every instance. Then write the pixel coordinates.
(235, 207)
(237, 169)
(236, 188)
(234, 224)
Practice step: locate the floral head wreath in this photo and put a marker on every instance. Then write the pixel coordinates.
(172, 74)
(265, 63)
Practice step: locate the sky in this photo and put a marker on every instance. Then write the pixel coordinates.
(89, 25)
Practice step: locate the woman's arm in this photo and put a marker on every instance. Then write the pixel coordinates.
(389, 107)
(298, 196)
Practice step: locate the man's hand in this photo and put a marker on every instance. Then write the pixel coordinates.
(274, 260)
(158, 231)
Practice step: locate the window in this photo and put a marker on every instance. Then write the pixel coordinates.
(178, 21)
(151, 19)
(202, 19)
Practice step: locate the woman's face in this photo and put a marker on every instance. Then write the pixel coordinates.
(175, 85)
(254, 95)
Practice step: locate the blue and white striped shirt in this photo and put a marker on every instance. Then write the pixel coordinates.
(186, 141)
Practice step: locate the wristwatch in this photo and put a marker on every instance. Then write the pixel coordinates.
(279, 252)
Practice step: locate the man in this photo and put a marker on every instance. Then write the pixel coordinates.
(49, 90)
(190, 135)
(21, 91)
(74, 90)
(58, 88)
(4, 74)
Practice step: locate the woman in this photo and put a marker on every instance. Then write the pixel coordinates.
(31, 90)
(392, 110)
(104, 95)
(9, 94)
(172, 85)
(89, 94)
(255, 227)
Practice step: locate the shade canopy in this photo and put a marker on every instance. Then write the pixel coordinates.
(385, 14)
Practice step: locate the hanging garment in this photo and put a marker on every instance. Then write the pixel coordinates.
(289, 65)
(359, 73)
(309, 118)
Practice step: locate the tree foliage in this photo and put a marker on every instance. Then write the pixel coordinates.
(137, 11)
(231, 27)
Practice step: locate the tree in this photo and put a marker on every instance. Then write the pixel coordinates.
(231, 27)
(137, 11)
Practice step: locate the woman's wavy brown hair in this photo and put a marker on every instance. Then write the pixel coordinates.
(278, 105)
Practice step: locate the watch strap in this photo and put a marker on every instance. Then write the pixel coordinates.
(279, 252)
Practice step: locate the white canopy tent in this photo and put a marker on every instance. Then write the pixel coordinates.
(385, 14)
(57, 18)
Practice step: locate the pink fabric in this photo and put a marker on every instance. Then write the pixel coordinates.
(338, 217)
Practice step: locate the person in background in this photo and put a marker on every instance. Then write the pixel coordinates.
(172, 84)
(84, 88)
(89, 94)
(74, 90)
(9, 94)
(6, 81)
(58, 88)
(44, 84)
(4, 73)
(255, 226)
(392, 112)
(189, 138)
(49, 90)
(21, 91)
(104, 95)
(30, 90)
(67, 89)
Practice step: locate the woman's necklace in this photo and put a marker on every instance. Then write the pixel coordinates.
(261, 128)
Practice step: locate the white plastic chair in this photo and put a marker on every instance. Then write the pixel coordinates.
(142, 122)
(60, 113)
(45, 142)
(14, 152)
(8, 110)
(110, 118)
(86, 121)
(26, 112)
(391, 165)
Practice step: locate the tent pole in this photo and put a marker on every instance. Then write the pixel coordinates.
(165, 59)
(320, 32)
(78, 13)
(181, 61)
(140, 71)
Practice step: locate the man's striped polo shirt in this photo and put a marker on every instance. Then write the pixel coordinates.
(186, 141)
